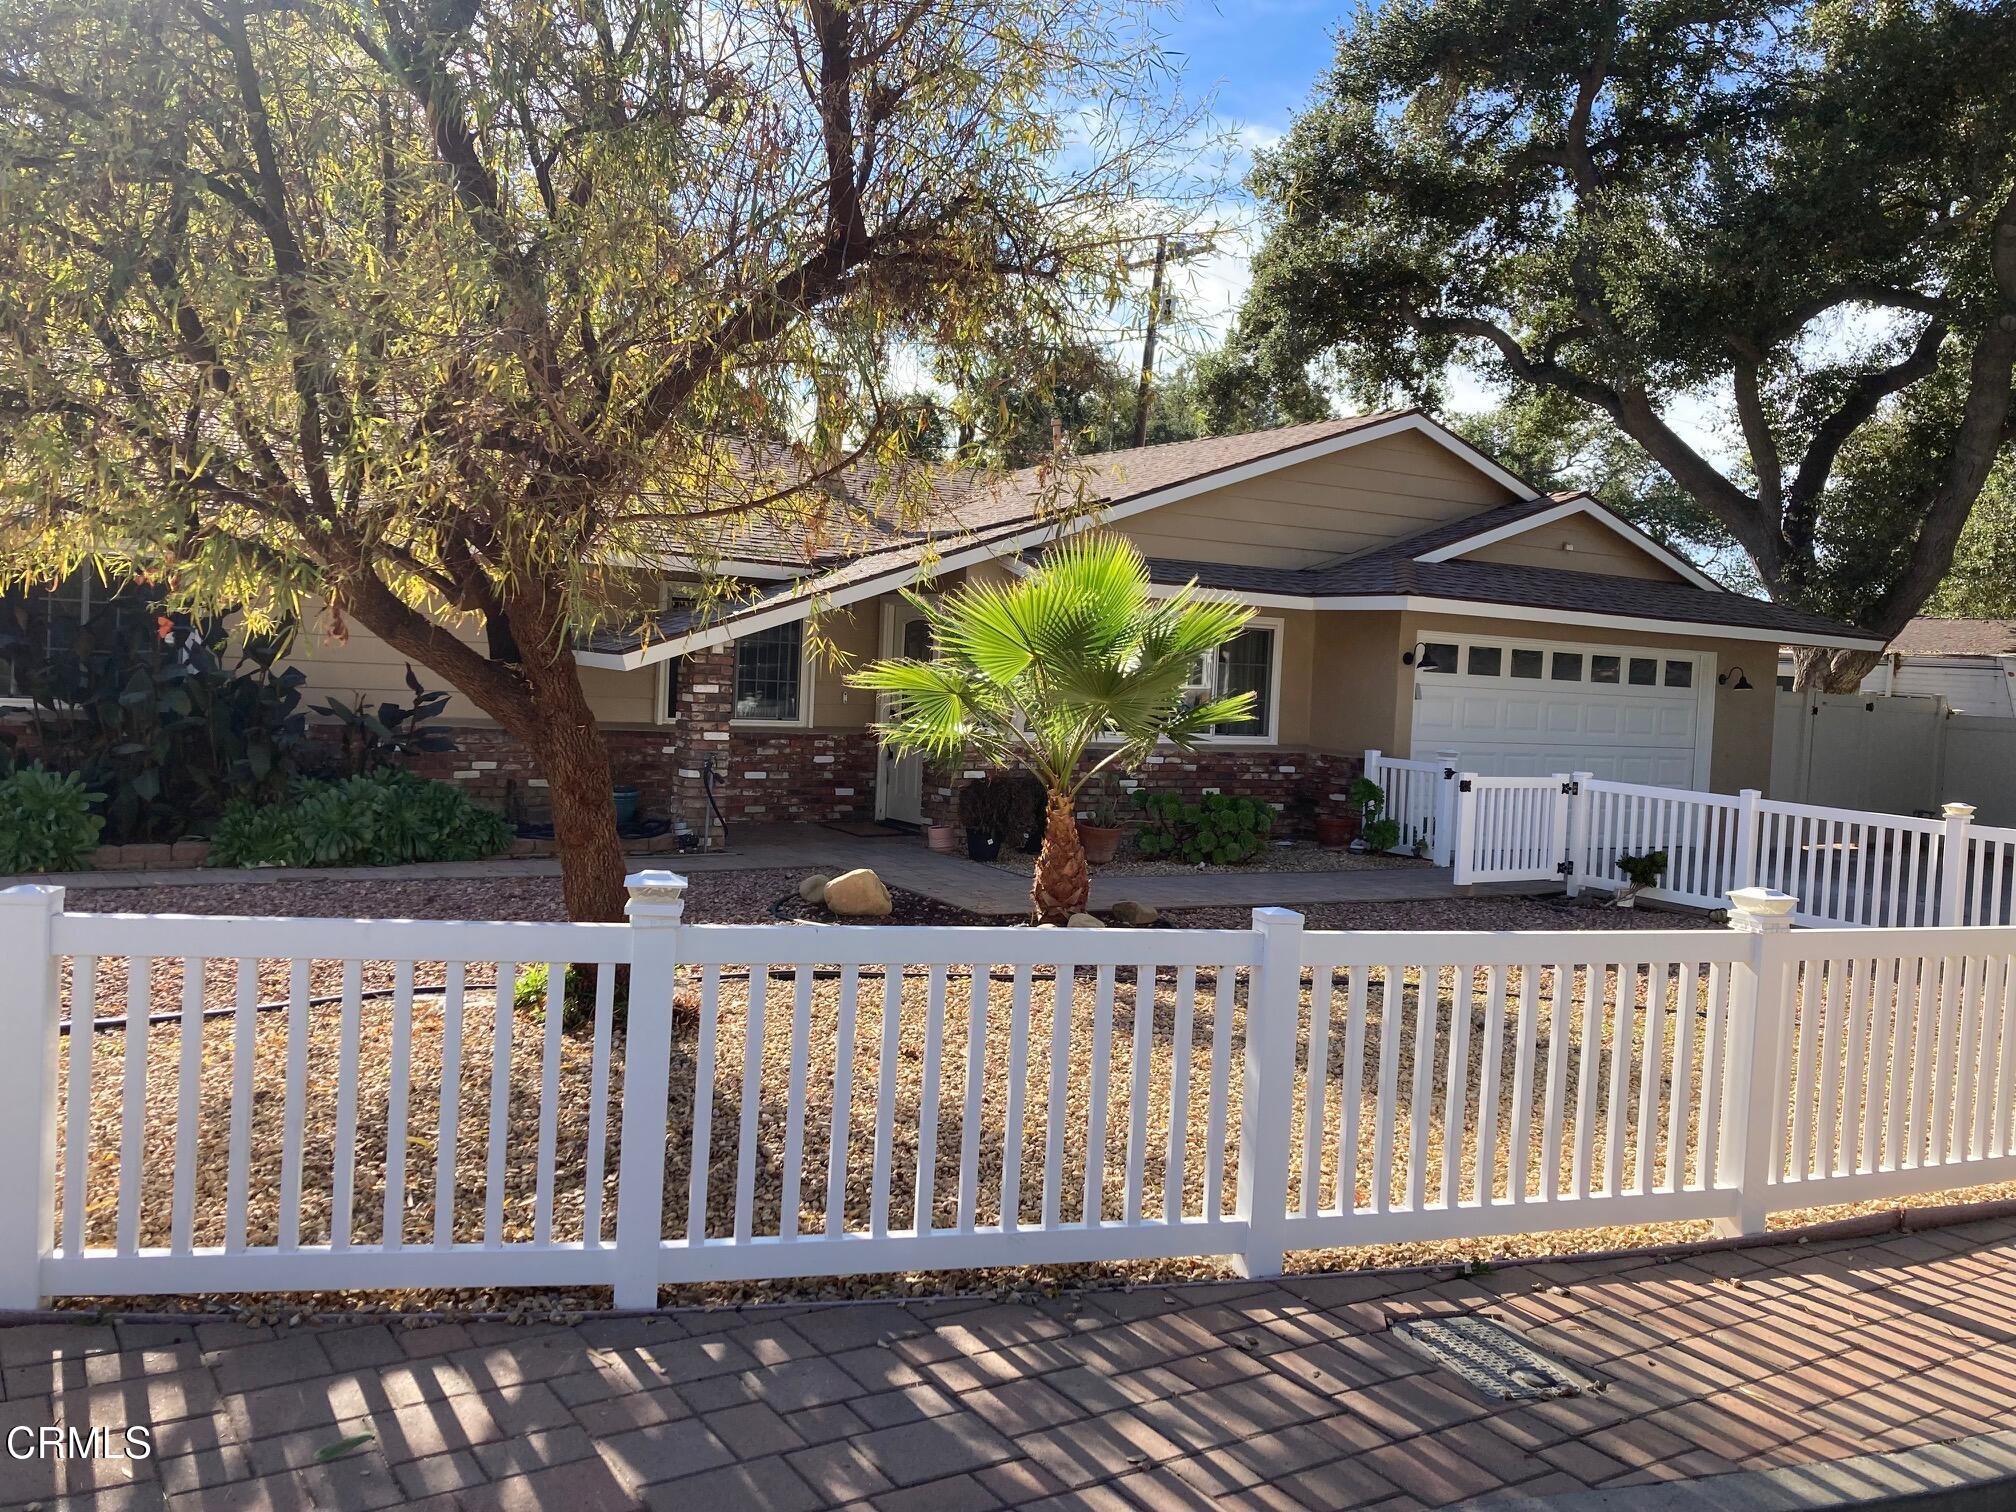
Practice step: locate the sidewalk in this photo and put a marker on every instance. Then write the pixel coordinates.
(1805, 1357)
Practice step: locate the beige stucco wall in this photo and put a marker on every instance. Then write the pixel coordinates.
(1576, 544)
(842, 640)
(361, 667)
(1315, 512)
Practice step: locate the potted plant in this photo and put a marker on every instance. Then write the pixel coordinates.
(986, 809)
(1099, 831)
(1029, 810)
(1640, 872)
(1334, 831)
(943, 838)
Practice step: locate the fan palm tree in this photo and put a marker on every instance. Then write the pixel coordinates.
(1068, 671)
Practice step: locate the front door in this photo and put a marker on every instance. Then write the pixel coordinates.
(899, 792)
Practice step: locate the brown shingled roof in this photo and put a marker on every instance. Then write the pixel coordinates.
(1926, 636)
(976, 510)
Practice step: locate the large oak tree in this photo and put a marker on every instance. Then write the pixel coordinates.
(1806, 210)
(438, 310)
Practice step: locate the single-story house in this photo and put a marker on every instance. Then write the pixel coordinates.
(1971, 663)
(1412, 595)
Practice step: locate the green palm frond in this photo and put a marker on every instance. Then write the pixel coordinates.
(1076, 656)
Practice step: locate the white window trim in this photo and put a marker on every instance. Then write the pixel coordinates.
(21, 701)
(806, 683)
(1271, 736)
(661, 697)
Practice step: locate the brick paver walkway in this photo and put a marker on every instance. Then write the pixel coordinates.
(1278, 1395)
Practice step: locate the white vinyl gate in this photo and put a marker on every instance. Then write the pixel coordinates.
(1510, 829)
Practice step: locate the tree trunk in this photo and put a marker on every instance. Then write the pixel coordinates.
(1062, 886)
(1817, 668)
(567, 743)
(539, 701)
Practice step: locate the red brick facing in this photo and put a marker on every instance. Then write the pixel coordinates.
(1280, 775)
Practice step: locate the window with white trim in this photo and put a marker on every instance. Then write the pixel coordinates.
(44, 622)
(770, 674)
(1244, 664)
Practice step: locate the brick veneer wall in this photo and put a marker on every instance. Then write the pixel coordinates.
(1275, 775)
(760, 774)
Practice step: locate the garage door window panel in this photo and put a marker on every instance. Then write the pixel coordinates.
(1516, 710)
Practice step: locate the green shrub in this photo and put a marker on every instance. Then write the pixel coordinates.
(383, 819)
(1218, 828)
(577, 996)
(46, 823)
(162, 717)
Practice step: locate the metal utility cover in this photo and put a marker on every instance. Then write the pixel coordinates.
(1492, 1358)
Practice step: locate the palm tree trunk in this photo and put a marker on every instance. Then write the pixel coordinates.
(1062, 886)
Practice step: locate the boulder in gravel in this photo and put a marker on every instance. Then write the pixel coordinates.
(1084, 921)
(1134, 915)
(813, 888)
(858, 894)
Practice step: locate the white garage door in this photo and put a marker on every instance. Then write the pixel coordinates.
(1511, 707)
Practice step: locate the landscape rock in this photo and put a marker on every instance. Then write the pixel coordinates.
(1134, 915)
(813, 888)
(858, 894)
(1085, 921)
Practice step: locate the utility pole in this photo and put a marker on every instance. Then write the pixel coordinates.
(1148, 344)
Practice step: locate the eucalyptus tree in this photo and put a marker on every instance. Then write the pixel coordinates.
(1808, 210)
(432, 314)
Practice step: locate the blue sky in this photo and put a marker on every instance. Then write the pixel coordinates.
(1260, 56)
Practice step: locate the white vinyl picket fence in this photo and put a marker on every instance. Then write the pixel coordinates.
(289, 1104)
(1848, 869)
(1420, 798)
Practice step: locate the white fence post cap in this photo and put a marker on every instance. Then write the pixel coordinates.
(1958, 810)
(32, 895)
(1761, 910)
(655, 893)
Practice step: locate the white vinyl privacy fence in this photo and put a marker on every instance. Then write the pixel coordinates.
(286, 1104)
(1847, 868)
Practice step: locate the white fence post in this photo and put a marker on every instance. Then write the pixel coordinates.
(1445, 809)
(1463, 862)
(657, 902)
(1953, 863)
(1579, 802)
(1266, 1101)
(28, 1016)
(1743, 868)
(1753, 1097)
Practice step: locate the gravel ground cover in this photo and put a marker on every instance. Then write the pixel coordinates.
(1057, 1006)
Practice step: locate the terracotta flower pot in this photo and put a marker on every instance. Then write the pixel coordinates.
(943, 838)
(1335, 832)
(1101, 842)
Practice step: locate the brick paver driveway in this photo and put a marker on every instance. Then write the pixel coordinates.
(1283, 1395)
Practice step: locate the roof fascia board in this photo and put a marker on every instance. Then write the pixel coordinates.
(1477, 609)
(767, 571)
(780, 614)
(1562, 511)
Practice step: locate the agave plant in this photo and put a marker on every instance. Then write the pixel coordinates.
(1069, 671)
